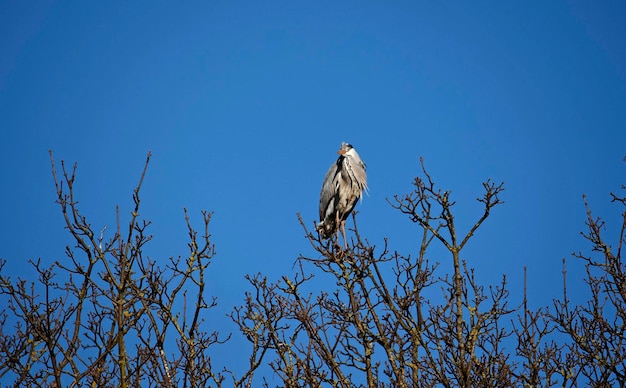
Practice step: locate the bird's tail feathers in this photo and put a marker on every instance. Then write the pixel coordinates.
(326, 231)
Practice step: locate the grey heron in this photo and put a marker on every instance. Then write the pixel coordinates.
(343, 186)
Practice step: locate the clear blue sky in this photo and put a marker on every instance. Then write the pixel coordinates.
(244, 105)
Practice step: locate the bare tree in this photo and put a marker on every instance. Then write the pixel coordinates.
(108, 315)
(544, 360)
(596, 329)
(111, 315)
(377, 328)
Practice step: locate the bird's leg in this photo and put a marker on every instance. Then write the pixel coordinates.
(343, 231)
(341, 224)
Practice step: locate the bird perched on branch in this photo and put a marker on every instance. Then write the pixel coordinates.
(343, 186)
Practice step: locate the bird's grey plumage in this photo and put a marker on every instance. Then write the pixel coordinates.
(343, 186)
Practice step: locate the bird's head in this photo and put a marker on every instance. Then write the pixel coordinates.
(345, 148)
(347, 152)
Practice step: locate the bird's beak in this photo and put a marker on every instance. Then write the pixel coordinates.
(341, 152)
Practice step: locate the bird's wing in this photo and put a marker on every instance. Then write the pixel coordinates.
(329, 189)
(360, 175)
